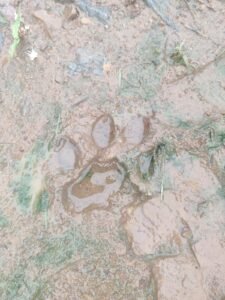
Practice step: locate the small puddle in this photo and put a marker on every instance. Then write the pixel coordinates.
(65, 156)
(136, 129)
(103, 131)
(93, 187)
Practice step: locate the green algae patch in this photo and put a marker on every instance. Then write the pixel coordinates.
(30, 183)
(95, 260)
(18, 285)
(59, 249)
(3, 221)
(15, 35)
(42, 205)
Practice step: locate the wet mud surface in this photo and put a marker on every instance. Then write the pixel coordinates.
(112, 158)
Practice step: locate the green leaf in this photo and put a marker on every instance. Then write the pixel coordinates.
(15, 34)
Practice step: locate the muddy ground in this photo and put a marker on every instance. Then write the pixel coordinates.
(112, 134)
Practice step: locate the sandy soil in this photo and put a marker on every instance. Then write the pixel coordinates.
(112, 136)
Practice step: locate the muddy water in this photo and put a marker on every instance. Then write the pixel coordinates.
(103, 131)
(112, 137)
(93, 187)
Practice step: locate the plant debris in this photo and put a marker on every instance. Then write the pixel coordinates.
(15, 34)
(179, 57)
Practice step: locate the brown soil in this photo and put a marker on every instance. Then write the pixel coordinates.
(112, 137)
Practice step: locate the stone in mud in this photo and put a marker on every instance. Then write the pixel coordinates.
(103, 131)
(154, 229)
(179, 279)
(136, 130)
(93, 188)
(70, 13)
(88, 62)
(66, 155)
(101, 13)
(161, 9)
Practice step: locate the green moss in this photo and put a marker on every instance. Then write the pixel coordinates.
(3, 221)
(23, 191)
(20, 286)
(43, 202)
(30, 183)
(114, 275)
(60, 249)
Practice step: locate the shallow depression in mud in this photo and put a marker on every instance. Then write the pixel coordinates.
(94, 187)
